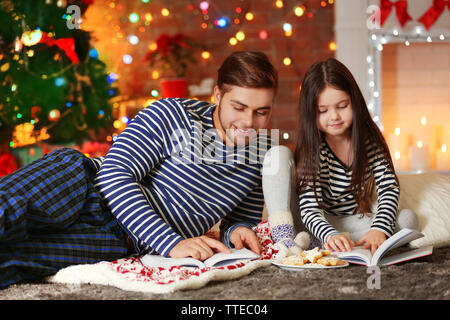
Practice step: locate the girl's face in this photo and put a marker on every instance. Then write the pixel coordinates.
(334, 112)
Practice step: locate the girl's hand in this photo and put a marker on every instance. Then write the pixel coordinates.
(339, 242)
(372, 239)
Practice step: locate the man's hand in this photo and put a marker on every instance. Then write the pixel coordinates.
(372, 239)
(242, 236)
(200, 248)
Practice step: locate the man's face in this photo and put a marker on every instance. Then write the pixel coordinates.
(241, 113)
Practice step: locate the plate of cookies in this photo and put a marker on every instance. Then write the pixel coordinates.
(311, 259)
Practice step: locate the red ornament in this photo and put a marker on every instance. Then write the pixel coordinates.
(35, 111)
(401, 8)
(7, 163)
(435, 11)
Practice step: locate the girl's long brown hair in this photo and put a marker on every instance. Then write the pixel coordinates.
(333, 73)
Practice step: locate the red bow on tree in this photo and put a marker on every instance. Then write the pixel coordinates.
(66, 44)
(435, 11)
(401, 8)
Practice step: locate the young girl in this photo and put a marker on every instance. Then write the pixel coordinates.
(341, 156)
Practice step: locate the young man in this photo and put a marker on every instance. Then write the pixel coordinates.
(179, 167)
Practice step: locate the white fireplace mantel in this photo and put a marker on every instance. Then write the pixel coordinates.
(359, 43)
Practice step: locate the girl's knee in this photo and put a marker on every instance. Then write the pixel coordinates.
(407, 218)
(283, 151)
(276, 157)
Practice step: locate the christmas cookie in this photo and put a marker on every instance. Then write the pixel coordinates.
(313, 258)
(294, 261)
(312, 255)
(330, 261)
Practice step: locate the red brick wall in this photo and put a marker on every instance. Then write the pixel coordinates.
(308, 43)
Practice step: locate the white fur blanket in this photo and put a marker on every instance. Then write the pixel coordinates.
(131, 275)
(428, 195)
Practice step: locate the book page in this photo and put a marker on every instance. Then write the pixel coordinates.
(221, 258)
(151, 260)
(358, 254)
(398, 239)
(405, 256)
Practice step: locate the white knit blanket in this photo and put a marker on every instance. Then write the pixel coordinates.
(131, 275)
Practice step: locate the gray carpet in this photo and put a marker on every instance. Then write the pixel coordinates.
(424, 278)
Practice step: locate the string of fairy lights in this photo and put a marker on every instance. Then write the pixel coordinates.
(212, 17)
(380, 37)
(209, 15)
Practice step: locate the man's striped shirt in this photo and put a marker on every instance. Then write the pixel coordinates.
(333, 191)
(167, 178)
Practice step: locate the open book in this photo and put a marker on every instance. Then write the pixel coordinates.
(363, 256)
(217, 260)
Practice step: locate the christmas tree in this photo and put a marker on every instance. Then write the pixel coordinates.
(53, 87)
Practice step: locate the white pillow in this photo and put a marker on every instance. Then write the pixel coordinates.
(428, 195)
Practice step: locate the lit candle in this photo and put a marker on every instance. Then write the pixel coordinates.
(443, 159)
(400, 161)
(423, 121)
(398, 145)
(428, 136)
(445, 136)
(419, 159)
(424, 133)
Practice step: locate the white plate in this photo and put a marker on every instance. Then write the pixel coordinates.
(307, 266)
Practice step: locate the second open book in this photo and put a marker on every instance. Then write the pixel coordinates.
(363, 256)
